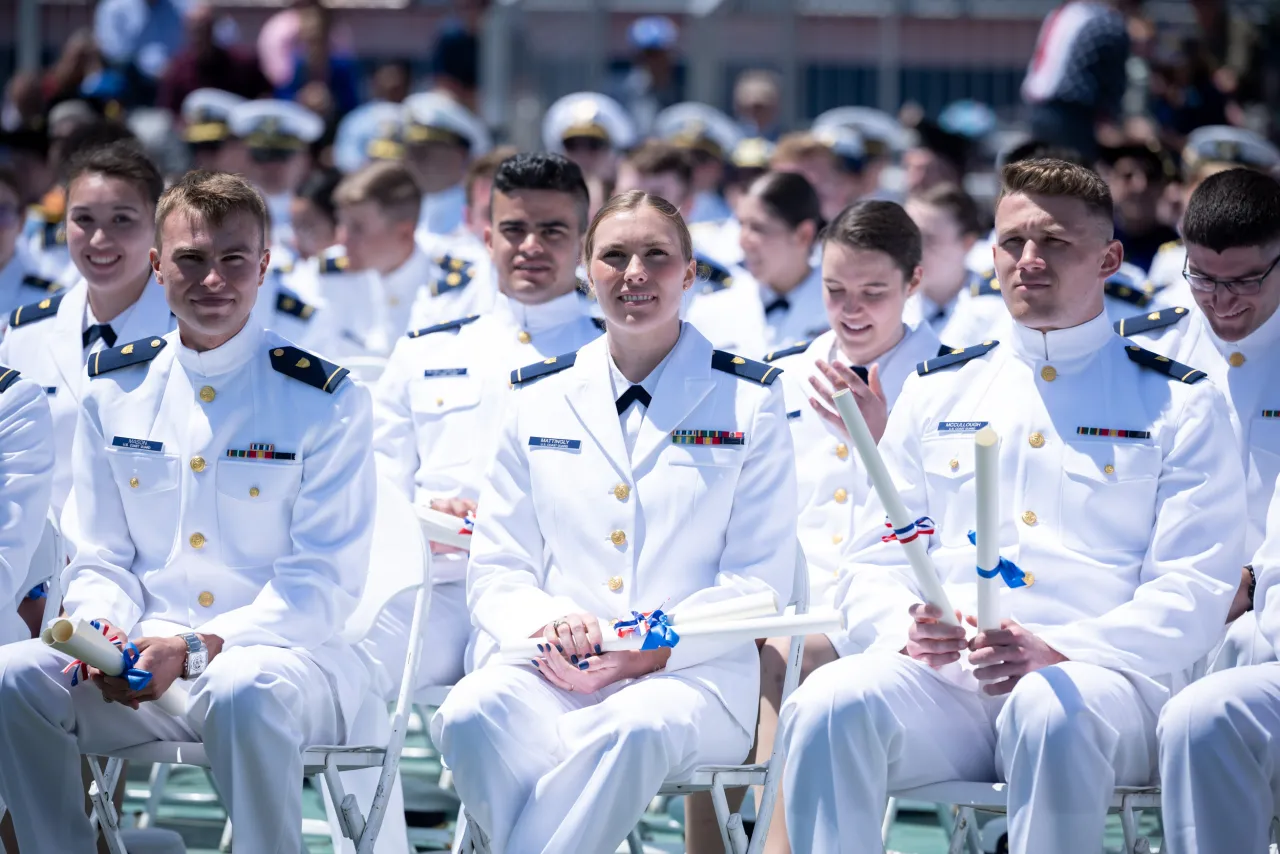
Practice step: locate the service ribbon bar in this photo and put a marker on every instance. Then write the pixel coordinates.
(1271, 413)
(1119, 434)
(261, 451)
(708, 437)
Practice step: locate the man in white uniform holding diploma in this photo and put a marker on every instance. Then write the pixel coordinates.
(224, 490)
(1120, 490)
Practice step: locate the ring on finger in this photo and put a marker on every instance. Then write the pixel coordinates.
(556, 624)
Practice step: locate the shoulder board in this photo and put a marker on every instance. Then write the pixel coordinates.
(745, 368)
(455, 273)
(287, 302)
(41, 284)
(545, 368)
(307, 368)
(336, 264)
(8, 376)
(1146, 322)
(1169, 246)
(24, 314)
(598, 322)
(944, 350)
(1125, 293)
(444, 327)
(1163, 364)
(713, 276)
(284, 267)
(798, 347)
(985, 285)
(955, 357)
(133, 353)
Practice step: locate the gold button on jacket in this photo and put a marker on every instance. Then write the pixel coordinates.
(207, 394)
(205, 599)
(197, 464)
(618, 538)
(1036, 440)
(197, 540)
(1029, 518)
(615, 583)
(621, 492)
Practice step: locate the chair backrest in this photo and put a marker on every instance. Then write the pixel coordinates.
(800, 585)
(367, 369)
(398, 560)
(47, 563)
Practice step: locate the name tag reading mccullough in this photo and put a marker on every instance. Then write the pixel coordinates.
(137, 444)
(961, 426)
(445, 372)
(558, 444)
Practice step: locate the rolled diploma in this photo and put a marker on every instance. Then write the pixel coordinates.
(443, 528)
(818, 622)
(78, 639)
(917, 552)
(737, 608)
(986, 464)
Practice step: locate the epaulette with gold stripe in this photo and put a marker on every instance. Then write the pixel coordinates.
(798, 347)
(955, 357)
(1163, 364)
(985, 285)
(8, 376)
(1147, 322)
(308, 368)
(25, 314)
(455, 273)
(1120, 288)
(713, 277)
(287, 302)
(41, 284)
(444, 327)
(133, 353)
(545, 368)
(335, 264)
(745, 368)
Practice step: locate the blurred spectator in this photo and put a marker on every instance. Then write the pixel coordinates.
(314, 217)
(316, 63)
(79, 58)
(1234, 47)
(139, 38)
(1137, 174)
(1076, 78)
(650, 85)
(205, 64)
(455, 58)
(756, 96)
(279, 41)
(390, 82)
(25, 151)
(23, 102)
(937, 157)
(1183, 95)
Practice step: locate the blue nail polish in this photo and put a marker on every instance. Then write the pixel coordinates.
(584, 665)
(573, 659)
(535, 662)
(598, 650)
(560, 649)
(540, 649)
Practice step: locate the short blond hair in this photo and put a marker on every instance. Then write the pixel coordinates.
(215, 197)
(484, 167)
(389, 185)
(800, 145)
(1048, 176)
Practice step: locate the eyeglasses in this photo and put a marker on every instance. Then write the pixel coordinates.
(1240, 287)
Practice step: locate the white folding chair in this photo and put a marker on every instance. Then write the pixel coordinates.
(46, 567)
(399, 561)
(366, 369)
(717, 778)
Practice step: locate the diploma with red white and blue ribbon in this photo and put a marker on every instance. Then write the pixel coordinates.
(654, 626)
(137, 679)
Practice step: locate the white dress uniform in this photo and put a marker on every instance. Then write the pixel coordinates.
(752, 319)
(277, 125)
(433, 117)
(45, 341)
(1120, 492)
(461, 280)
(19, 286)
(586, 510)
(438, 408)
(26, 484)
(365, 313)
(830, 480)
(229, 492)
(281, 308)
(921, 309)
(43, 244)
(1218, 751)
(1244, 370)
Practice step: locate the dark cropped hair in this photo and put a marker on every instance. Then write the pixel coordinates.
(124, 160)
(789, 197)
(656, 157)
(543, 171)
(1239, 207)
(958, 204)
(878, 226)
(318, 189)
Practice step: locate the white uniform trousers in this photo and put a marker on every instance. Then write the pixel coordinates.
(1243, 645)
(548, 771)
(444, 640)
(1220, 763)
(255, 708)
(872, 723)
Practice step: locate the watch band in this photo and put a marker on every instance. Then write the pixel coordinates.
(197, 656)
(1253, 583)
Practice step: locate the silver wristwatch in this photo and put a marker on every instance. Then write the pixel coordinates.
(197, 656)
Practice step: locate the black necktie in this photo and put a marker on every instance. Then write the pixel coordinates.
(779, 304)
(635, 394)
(98, 330)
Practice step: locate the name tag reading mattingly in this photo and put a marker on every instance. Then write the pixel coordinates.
(558, 444)
(137, 444)
(961, 426)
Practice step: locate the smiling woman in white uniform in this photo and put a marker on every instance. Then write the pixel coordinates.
(780, 219)
(601, 501)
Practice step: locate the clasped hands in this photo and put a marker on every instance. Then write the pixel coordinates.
(570, 656)
(1000, 656)
(163, 657)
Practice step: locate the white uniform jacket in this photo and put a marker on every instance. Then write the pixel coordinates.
(48, 352)
(829, 474)
(442, 212)
(26, 482)
(20, 286)
(365, 313)
(1245, 372)
(1120, 491)
(461, 280)
(568, 522)
(179, 531)
(439, 405)
(734, 318)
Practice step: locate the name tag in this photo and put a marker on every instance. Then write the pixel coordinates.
(794, 414)
(961, 426)
(445, 372)
(137, 444)
(558, 444)
(51, 390)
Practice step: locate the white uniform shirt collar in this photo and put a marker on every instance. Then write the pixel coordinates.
(1072, 343)
(1261, 342)
(404, 281)
(811, 281)
(650, 383)
(237, 352)
(537, 318)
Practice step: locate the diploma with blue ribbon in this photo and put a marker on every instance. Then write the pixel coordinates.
(94, 644)
(654, 627)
